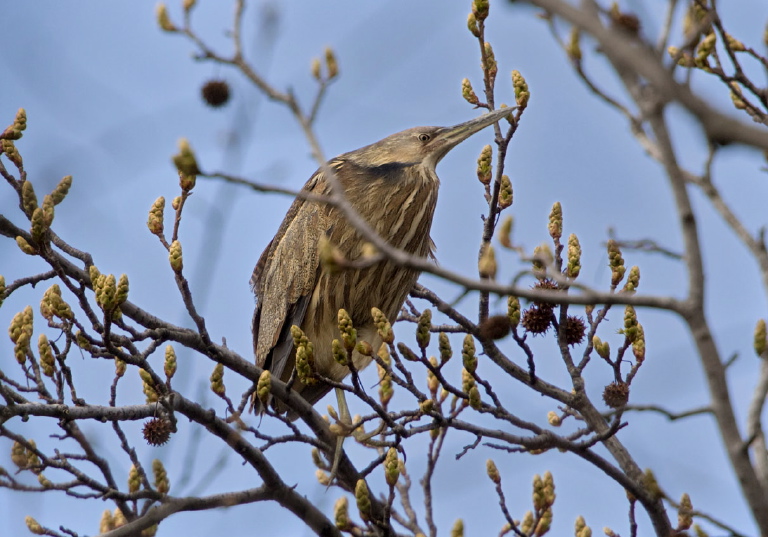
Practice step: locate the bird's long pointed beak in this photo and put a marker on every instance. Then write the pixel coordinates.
(452, 136)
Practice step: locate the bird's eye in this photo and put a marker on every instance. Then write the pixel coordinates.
(424, 137)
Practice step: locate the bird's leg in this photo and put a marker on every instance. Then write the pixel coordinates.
(346, 421)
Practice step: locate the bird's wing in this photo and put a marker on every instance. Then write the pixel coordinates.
(284, 279)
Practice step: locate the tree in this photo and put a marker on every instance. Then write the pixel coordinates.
(551, 335)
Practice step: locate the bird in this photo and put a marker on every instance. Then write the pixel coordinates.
(393, 185)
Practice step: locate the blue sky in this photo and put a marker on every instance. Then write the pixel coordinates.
(108, 95)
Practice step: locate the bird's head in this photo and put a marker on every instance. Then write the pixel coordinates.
(422, 145)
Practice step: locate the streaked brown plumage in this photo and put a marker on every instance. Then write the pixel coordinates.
(393, 185)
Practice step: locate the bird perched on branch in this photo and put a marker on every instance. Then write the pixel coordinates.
(392, 185)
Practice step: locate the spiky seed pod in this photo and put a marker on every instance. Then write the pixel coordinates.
(169, 366)
(24, 246)
(263, 387)
(489, 62)
(555, 226)
(492, 471)
(487, 266)
(574, 257)
(406, 352)
(537, 320)
(633, 280)
(347, 331)
(134, 479)
(163, 20)
(494, 327)
(506, 196)
(444, 345)
(616, 394)
(339, 353)
(685, 513)
(484, 162)
(157, 431)
(148, 386)
(331, 64)
(522, 93)
(545, 285)
(638, 345)
(47, 363)
(106, 523)
(162, 484)
(155, 219)
(472, 26)
(760, 339)
(468, 356)
(391, 467)
(458, 528)
(553, 419)
(215, 93)
(185, 160)
(504, 232)
(382, 325)
(630, 324)
(468, 93)
(423, 327)
(341, 513)
(175, 257)
(573, 49)
(616, 262)
(363, 499)
(574, 328)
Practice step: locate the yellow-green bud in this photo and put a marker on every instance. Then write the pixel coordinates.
(602, 348)
(468, 93)
(175, 257)
(480, 9)
(341, 513)
(170, 362)
(263, 386)
(433, 383)
(423, 334)
(468, 354)
(492, 471)
(526, 526)
(574, 257)
(407, 353)
(189, 4)
(47, 361)
(331, 64)
(705, 48)
(472, 25)
(362, 497)
(120, 367)
(487, 266)
(484, 162)
(630, 324)
(760, 338)
(506, 196)
(543, 258)
(382, 325)
(162, 484)
(155, 220)
(106, 523)
(555, 226)
(38, 225)
(163, 20)
(28, 198)
(217, 380)
(573, 49)
(347, 331)
(134, 479)
(489, 62)
(553, 419)
(364, 348)
(61, 190)
(616, 262)
(20, 331)
(391, 467)
(148, 386)
(315, 69)
(386, 389)
(513, 311)
(9, 148)
(34, 526)
(185, 160)
(522, 94)
(444, 344)
(2, 289)
(458, 529)
(504, 234)
(24, 246)
(339, 353)
(685, 513)
(638, 345)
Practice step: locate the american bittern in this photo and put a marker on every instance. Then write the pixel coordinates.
(393, 185)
